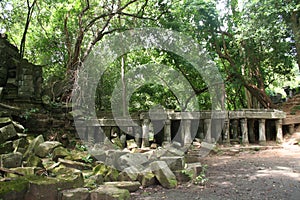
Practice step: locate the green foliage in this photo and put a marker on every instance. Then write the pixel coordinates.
(201, 179)
(29, 112)
(88, 159)
(255, 45)
(80, 147)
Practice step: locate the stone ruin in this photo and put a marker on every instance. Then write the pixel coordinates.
(20, 81)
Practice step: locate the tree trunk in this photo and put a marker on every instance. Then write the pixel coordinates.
(295, 25)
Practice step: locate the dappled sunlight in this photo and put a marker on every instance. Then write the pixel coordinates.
(278, 171)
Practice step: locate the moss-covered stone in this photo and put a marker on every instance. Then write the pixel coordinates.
(59, 152)
(14, 189)
(11, 160)
(5, 121)
(7, 132)
(33, 145)
(33, 161)
(110, 192)
(6, 147)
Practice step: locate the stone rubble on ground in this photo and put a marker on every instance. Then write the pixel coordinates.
(51, 171)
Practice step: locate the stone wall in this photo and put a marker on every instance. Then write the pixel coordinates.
(19, 79)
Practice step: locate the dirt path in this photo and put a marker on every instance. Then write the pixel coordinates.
(268, 174)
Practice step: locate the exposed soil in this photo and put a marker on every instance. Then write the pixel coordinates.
(264, 174)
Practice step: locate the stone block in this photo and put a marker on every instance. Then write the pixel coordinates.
(163, 174)
(113, 156)
(175, 163)
(130, 173)
(46, 148)
(93, 180)
(20, 145)
(6, 147)
(14, 189)
(131, 159)
(33, 146)
(59, 152)
(74, 194)
(27, 171)
(11, 160)
(147, 178)
(131, 186)
(4, 121)
(109, 193)
(194, 168)
(74, 164)
(41, 188)
(7, 132)
(33, 161)
(182, 177)
(19, 128)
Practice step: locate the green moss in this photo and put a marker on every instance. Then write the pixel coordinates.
(17, 185)
(100, 169)
(173, 183)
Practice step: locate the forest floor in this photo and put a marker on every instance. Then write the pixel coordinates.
(265, 174)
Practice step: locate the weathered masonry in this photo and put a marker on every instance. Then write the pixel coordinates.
(19, 79)
(244, 126)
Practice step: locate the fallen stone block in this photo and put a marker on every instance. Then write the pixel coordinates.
(109, 193)
(174, 162)
(46, 148)
(7, 132)
(93, 180)
(59, 152)
(5, 121)
(130, 173)
(182, 176)
(163, 174)
(27, 171)
(131, 186)
(11, 160)
(74, 194)
(20, 145)
(194, 168)
(75, 164)
(19, 128)
(131, 159)
(112, 158)
(6, 147)
(14, 189)
(33, 161)
(41, 188)
(147, 178)
(33, 146)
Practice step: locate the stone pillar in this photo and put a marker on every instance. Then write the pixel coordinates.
(235, 127)
(145, 132)
(137, 136)
(262, 131)
(279, 135)
(187, 132)
(251, 131)
(226, 136)
(167, 132)
(207, 129)
(291, 129)
(200, 131)
(244, 128)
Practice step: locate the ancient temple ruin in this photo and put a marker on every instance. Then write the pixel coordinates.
(20, 81)
(243, 126)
